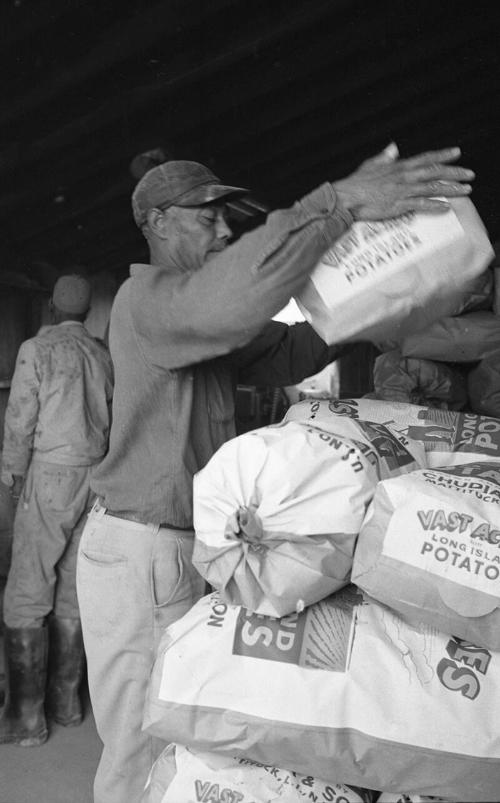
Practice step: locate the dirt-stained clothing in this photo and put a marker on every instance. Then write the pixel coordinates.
(49, 521)
(56, 429)
(58, 402)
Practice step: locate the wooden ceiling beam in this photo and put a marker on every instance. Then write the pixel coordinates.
(287, 150)
(328, 135)
(273, 117)
(121, 42)
(284, 121)
(21, 23)
(137, 98)
(326, 163)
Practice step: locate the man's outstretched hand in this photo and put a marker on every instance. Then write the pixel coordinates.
(384, 186)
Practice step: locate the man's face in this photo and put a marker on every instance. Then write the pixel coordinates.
(195, 234)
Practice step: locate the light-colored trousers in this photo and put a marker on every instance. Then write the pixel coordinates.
(48, 523)
(133, 580)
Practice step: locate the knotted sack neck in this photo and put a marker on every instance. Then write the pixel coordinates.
(244, 525)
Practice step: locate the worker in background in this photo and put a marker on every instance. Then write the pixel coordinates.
(56, 430)
(184, 330)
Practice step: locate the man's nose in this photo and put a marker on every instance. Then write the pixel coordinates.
(222, 230)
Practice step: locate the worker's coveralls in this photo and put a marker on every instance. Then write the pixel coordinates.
(56, 430)
(180, 343)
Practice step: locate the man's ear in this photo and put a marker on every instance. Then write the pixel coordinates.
(157, 221)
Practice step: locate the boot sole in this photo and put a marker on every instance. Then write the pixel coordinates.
(33, 741)
(25, 741)
(66, 723)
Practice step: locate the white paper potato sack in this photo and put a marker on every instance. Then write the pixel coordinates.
(388, 278)
(447, 437)
(183, 775)
(277, 511)
(344, 690)
(430, 549)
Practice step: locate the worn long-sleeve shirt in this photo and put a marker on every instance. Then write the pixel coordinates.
(181, 341)
(59, 402)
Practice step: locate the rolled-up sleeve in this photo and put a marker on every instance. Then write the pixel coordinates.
(22, 413)
(198, 316)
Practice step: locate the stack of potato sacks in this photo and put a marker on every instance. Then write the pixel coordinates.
(352, 642)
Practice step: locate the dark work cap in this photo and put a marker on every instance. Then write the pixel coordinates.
(178, 183)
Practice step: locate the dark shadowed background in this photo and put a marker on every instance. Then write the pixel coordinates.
(277, 95)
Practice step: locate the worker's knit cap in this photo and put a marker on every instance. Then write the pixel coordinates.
(72, 294)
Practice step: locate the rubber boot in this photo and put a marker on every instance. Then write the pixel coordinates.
(2, 668)
(23, 718)
(66, 667)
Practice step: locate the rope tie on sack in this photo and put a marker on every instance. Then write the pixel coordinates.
(244, 525)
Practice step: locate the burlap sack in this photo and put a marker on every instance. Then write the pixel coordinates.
(181, 775)
(277, 510)
(483, 385)
(417, 381)
(466, 338)
(385, 279)
(430, 549)
(344, 690)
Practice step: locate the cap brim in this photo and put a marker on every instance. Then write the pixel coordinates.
(207, 193)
